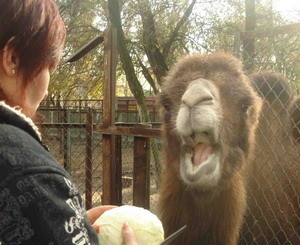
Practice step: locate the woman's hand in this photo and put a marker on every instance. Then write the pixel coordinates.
(94, 213)
(128, 235)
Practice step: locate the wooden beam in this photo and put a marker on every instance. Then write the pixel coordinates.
(84, 50)
(89, 160)
(141, 172)
(109, 141)
(66, 141)
(119, 186)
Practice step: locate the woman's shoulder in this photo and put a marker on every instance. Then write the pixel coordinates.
(12, 137)
(20, 152)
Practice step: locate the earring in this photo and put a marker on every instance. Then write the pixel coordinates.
(13, 71)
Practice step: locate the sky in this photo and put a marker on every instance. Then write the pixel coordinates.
(288, 8)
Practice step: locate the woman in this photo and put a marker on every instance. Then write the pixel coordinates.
(39, 204)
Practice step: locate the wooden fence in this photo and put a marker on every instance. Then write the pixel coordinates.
(112, 158)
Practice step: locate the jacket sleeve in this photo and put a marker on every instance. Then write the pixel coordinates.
(43, 207)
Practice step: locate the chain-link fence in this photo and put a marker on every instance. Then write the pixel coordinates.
(65, 132)
(274, 185)
(273, 192)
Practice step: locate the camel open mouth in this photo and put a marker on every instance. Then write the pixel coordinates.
(200, 165)
(201, 153)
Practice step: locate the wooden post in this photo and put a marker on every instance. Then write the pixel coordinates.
(66, 141)
(249, 44)
(89, 159)
(60, 119)
(109, 141)
(141, 172)
(118, 170)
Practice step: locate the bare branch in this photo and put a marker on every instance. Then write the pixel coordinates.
(174, 34)
(147, 75)
(155, 56)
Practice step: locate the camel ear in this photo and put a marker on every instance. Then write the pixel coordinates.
(295, 115)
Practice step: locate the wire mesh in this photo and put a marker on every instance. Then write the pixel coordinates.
(127, 170)
(274, 185)
(64, 131)
(273, 193)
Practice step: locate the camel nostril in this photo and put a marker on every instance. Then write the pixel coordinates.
(205, 133)
(205, 99)
(193, 136)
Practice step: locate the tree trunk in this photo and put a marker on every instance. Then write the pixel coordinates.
(127, 64)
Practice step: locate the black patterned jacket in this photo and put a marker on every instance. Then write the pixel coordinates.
(39, 204)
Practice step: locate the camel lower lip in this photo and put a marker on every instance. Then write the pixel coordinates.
(207, 173)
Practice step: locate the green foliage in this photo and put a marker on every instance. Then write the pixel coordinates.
(83, 78)
(212, 26)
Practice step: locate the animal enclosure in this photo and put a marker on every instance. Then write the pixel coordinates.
(74, 132)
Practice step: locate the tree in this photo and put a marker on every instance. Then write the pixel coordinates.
(156, 33)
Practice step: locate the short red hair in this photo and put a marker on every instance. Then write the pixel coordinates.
(37, 33)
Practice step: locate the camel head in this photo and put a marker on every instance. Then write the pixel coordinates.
(210, 113)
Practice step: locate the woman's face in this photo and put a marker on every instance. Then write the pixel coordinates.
(12, 84)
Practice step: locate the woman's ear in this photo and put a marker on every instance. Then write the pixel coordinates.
(10, 59)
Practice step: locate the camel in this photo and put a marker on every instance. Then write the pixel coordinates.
(273, 213)
(210, 114)
(295, 114)
(227, 155)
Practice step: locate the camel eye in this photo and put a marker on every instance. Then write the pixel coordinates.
(245, 104)
(167, 106)
(165, 102)
(244, 107)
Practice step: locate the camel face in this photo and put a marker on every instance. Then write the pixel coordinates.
(197, 123)
(211, 112)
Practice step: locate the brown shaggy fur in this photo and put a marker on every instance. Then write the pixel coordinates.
(295, 114)
(273, 215)
(213, 216)
(264, 163)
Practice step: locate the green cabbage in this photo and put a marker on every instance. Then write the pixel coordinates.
(147, 227)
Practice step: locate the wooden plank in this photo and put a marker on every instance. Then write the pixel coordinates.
(285, 29)
(89, 160)
(141, 173)
(109, 170)
(66, 142)
(109, 141)
(119, 170)
(84, 50)
(110, 49)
